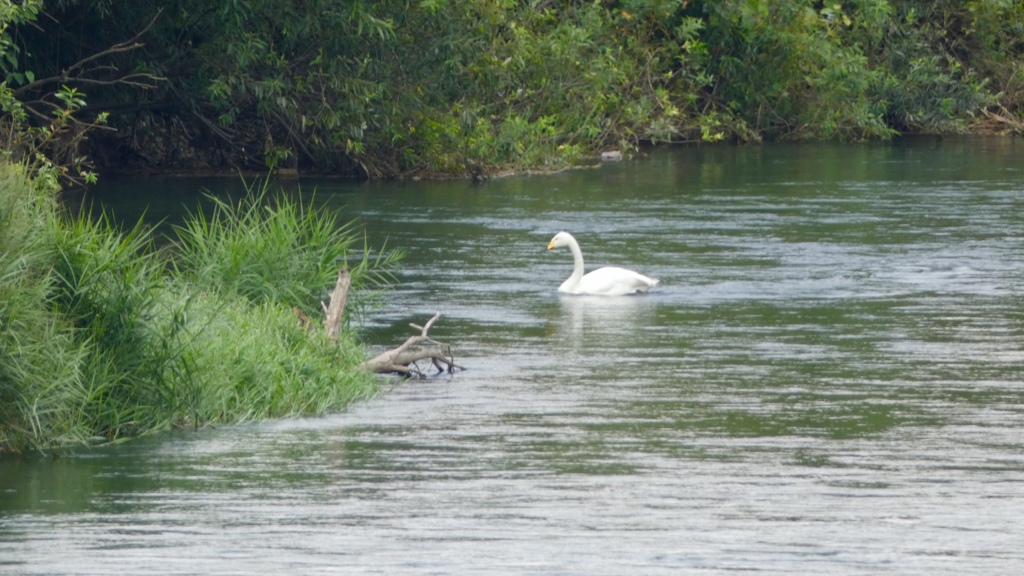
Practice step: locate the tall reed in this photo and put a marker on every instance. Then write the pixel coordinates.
(41, 381)
(271, 248)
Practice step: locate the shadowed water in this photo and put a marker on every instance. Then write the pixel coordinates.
(827, 380)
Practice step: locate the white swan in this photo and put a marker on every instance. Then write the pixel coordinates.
(608, 281)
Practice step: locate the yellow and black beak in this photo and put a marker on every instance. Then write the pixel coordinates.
(551, 245)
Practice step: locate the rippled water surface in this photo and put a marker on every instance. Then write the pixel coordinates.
(827, 381)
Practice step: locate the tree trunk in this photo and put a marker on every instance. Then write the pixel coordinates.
(334, 312)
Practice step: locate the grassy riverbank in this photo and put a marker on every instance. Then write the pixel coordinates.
(105, 336)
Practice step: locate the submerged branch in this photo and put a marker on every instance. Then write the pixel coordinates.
(402, 360)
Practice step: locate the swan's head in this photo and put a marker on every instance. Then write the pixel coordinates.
(560, 239)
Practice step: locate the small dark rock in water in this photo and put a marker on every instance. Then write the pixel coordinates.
(611, 156)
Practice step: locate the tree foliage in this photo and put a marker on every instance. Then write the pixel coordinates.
(393, 87)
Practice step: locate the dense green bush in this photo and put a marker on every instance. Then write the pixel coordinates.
(105, 337)
(383, 89)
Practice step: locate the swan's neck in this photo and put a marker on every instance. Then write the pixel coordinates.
(577, 266)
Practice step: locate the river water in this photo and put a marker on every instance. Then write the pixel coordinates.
(829, 379)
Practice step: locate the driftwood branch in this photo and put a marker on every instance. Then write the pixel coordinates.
(1005, 119)
(403, 359)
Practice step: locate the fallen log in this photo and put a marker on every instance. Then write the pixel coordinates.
(402, 360)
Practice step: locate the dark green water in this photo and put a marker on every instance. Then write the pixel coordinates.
(829, 380)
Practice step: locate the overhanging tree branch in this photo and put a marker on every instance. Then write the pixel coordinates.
(79, 73)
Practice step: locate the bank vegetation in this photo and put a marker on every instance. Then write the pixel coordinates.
(107, 334)
(395, 88)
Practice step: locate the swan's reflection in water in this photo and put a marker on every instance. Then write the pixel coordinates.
(592, 324)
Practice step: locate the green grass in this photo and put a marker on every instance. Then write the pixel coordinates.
(105, 337)
(41, 382)
(274, 249)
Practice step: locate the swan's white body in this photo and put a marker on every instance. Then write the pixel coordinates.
(608, 281)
